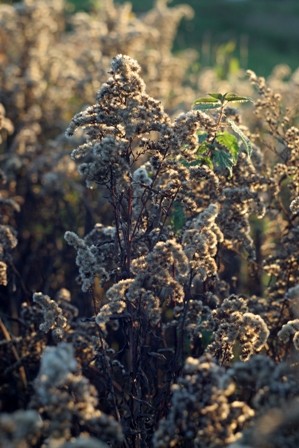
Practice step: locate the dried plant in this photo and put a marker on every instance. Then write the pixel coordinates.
(161, 253)
(53, 61)
(185, 332)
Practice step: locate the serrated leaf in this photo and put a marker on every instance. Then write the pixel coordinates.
(206, 103)
(230, 142)
(223, 160)
(178, 218)
(245, 140)
(205, 99)
(217, 96)
(205, 106)
(232, 97)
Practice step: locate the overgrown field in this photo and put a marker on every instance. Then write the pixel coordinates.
(149, 238)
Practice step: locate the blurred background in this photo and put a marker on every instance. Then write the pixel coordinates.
(255, 34)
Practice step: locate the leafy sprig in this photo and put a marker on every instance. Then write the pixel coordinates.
(220, 150)
(218, 100)
(223, 149)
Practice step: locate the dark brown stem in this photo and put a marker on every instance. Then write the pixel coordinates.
(7, 337)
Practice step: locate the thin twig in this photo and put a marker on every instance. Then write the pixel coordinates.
(8, 337)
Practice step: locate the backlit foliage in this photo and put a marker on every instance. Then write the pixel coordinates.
(184, 231)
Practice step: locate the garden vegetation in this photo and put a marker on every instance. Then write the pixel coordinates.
(149, 238)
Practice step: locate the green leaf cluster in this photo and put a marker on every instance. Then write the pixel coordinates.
(223, 151)
(220, 151)
(218, 100)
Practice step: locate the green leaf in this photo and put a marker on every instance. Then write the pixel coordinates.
(201, 160)
(205, 160)
(232, 97)
(206, 337)
(223, 160)
(203, 148)
(230, 142)
(206, 103)
(202, 136)
(205, 106)
(217, 96)
(245, 140)
(206, 99)
(177, 218)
